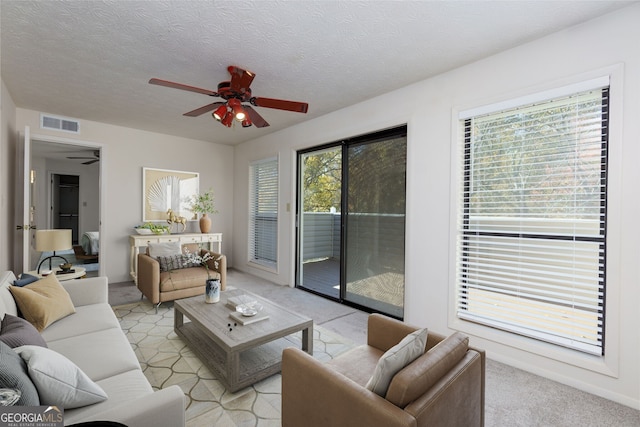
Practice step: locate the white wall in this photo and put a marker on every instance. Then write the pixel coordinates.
(594, 48)
(7, 172)
(125, 152)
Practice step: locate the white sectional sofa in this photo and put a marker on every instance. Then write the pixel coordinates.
(93, 340)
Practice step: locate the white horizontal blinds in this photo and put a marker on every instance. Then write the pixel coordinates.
(263, 222)
(531, 241)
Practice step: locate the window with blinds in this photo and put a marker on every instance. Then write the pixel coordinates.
(531, 245)
(263, 213)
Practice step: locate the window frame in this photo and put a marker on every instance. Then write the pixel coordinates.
(263, 263)
(517, 349)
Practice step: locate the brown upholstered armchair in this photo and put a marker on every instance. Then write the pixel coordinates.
(443, 387)
(164, 286)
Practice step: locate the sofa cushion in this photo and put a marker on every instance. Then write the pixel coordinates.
(58, 380)
(25, 279)
(13, 374)
(99, 354)
(15, 332)
(175, 262)
(414, 380)
(397, 357)
(43, 302)
(87, 319)
(121, 389)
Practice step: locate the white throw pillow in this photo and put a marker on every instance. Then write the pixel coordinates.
(397, 357)
(164, 249)
(58, 380)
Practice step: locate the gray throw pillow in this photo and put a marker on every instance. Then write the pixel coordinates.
(16, 331)
(13, 374)
(397, 357)
(175, 262)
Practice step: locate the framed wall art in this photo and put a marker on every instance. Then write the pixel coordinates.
(164, 189)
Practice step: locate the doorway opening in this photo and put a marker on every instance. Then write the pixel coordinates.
(66, 193)
(65, 203)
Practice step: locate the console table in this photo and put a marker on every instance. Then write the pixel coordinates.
(138, 241)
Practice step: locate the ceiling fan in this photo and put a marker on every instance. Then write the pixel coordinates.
(90, 160)
(235, 92)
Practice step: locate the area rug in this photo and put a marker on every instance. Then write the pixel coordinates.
(166, 360)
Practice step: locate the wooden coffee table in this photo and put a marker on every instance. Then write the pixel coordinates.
(239, 355)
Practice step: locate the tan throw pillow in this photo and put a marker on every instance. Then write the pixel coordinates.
(397, 357)
(43, 302)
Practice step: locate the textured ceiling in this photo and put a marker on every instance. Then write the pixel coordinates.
(92, 59)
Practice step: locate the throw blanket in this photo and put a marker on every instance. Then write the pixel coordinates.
(91, 242)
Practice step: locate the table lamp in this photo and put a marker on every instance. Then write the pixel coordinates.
(52, 240)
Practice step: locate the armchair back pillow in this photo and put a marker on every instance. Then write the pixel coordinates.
(164, 249)
(397, 357)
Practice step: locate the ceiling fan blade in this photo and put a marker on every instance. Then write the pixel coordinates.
(90, 162)
(256, 118)
(240, 79)
(199, 111)
(174, 85)
(281, 104)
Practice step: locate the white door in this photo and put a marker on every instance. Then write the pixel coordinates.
(25, 228)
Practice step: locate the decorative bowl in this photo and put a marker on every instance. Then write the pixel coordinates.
(249, 309)
(66, 267)
(142, 230)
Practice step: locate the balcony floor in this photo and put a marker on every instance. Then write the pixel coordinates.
(382, 292)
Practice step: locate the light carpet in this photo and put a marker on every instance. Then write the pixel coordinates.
(166, 360)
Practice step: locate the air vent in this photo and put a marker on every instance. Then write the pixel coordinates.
(63, 124)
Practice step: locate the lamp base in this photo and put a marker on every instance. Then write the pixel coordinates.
(49, 258)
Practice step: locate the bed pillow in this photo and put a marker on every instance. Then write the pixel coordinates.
(397, 357)
(164, 249)
(13, 374)
(43, 302)
(58, 380)
(15, 332)
(25, 279)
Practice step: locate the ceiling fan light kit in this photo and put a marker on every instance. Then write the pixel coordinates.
(220, 112)
(235, 92)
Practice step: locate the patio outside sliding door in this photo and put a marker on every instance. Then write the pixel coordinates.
(351, 221)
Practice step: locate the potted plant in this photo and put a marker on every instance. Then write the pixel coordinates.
(204, 204)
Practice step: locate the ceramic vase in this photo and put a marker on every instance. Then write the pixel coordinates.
(205, 224)
(212, 291)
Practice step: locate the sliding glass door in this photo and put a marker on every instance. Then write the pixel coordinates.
(320, 195)
(351, 221)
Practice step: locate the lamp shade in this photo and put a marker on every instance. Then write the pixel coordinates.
(53, 240)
